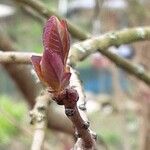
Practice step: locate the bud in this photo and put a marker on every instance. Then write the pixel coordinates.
(51, 67)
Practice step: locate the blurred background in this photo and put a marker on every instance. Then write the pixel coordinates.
(118, 105)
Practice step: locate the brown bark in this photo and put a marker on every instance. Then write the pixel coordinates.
(23, 79)
(143, 97)
(145, 128)
(20, 74)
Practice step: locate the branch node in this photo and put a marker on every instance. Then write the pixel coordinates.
(41, 108)
(113, 36)
(77, 135)
(69, 112)
(13, 57)
(94, 135)
(141, 33)
(31, 113)
(40, 117)
(86, 125)
(82, 107)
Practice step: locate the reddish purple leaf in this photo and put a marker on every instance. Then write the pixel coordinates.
(56, 37)
(36, 64)
(51, 67)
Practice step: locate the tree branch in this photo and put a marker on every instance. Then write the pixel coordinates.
(40, 8)
(69, 98)
(16, 57)
(81, 50)
(20, 74)
(81, 120)
(39, 116)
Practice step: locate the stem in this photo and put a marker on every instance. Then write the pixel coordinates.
(70, 97)
(79, 119)
(40, 8)
(39, 116)
(83, 49)
(20, 74)
(15, 57)
(81, 127)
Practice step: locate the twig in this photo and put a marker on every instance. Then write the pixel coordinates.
(86, 138)
(15, 57)
(83, 49)
(40, 8)
(134, 69)
(69, 97)
(39, 119)
(78, 34)
(91, 45)
(30, 13)
(81, 119)
(80, 51)
(76, 83)
(21, 74)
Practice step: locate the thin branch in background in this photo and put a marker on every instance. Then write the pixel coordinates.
(30, 13)
(76, 83)
(15, 57)
(19, 74)
(93, 45)
(22, 73)
(39, 116)
(98, 8)
(80, 51)
(41, 9)
(131, 68)
(118, 61)
(96, 19)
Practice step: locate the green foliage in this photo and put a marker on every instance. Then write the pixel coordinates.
(111, 137)
(10, 110)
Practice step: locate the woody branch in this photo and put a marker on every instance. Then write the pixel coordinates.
(20, 74)
(41, 9)
(46, 13)
(39, 116)
(86, 137)
(81, 50)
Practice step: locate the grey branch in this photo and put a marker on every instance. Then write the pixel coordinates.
(16, 57)
(39, 116)
(81, 50)
(41, 9)
(125, 36)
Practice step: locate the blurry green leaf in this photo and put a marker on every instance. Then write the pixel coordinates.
(110, 137)
(13, 109)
